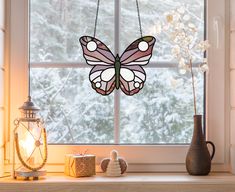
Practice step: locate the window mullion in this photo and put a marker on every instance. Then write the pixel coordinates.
(116, 92)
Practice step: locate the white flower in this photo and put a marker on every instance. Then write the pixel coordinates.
(186, 17)
(203, 45)
(181, 35)
(192, 26)
(185, 37)
(181, 26)
(181, 10)
(204, 60)
(189, 39)
(204, 68)
(182, 71)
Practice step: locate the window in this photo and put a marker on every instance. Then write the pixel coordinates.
(73, 111)
(60, 77)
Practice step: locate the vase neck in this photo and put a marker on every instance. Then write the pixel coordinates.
(197, 125)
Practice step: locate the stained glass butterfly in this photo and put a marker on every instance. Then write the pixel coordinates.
(110, 72)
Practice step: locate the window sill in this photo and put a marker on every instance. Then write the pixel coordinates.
(132, 182)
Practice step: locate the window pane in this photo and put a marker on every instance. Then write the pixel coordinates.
(163, 111)
(72, 111)
(152, 17)
(57, 25)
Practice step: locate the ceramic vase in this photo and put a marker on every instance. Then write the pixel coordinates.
(198, 159)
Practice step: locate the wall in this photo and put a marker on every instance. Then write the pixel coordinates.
(2, 33)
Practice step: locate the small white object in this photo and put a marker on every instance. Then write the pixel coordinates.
(186, 17)
(204, 68)
(181, 10)
(182, 71)
(143, 46)
(98, 84)
(113, 169)
(136, 84)
(91, 46)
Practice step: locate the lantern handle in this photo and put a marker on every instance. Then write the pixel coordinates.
(22, 160)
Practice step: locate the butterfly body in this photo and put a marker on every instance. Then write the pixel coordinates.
(117, 66)
(110, 72)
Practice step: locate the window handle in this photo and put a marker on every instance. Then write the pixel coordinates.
(217, 24)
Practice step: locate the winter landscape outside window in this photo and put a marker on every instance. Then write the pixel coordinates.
(162, 113)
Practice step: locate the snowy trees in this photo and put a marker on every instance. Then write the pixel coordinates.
(73, 112)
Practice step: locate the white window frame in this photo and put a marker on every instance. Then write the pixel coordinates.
(141, 158)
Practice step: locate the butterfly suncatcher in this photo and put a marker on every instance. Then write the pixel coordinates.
(110, 72)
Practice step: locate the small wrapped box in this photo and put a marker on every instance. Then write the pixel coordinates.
(79, 165)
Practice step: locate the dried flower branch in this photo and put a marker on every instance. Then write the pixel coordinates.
(186, 42)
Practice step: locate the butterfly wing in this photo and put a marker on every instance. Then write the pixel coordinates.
(95, 52)
(102, 79)
(98, 55)
(137, 54)
(132, 79)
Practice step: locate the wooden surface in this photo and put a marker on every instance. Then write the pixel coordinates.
(132, 182)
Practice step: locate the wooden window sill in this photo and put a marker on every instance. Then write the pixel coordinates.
(131, 182)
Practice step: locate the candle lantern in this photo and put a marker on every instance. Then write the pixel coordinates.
(30, 143)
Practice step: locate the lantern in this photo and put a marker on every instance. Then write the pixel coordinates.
(30, 143)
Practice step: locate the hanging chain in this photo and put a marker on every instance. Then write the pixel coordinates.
(96, 16)
(138, 11)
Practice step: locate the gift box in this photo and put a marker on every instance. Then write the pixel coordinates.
(79, 165)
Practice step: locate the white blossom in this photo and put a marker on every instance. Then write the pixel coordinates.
(185, 38)
(182, 71)
(203, 45)
(204, 68)
(186, 17)
(181, 10)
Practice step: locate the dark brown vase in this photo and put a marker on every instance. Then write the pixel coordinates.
(198, 160)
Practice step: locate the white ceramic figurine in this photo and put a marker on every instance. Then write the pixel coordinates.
(114, 166)
(113, 169)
